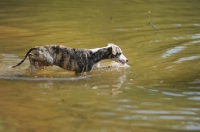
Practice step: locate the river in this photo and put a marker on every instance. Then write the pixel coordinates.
(159, 90)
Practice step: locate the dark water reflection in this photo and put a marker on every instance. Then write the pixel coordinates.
(160, 91)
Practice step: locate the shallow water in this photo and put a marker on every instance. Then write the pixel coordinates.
(160, 91)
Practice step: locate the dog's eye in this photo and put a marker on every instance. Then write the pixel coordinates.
(116, 55)
(119, 54)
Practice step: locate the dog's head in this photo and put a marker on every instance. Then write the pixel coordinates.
(116, 53)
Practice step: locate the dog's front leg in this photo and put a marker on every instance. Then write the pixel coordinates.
(96, 66)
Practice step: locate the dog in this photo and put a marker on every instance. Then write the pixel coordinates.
(72, 59)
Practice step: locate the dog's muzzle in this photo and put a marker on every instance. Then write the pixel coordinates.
(122, 59)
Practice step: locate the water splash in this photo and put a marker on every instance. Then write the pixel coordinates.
(53, 73)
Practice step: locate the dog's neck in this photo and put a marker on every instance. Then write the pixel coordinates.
(99, 54)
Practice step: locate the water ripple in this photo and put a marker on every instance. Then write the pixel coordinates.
(187, 59)
(173, 94)
(174, 50)
(44, 78)
(196, 98)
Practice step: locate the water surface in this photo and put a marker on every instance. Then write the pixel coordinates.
(160, 91)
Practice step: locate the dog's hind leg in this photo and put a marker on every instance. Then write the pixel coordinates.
(40, 65)
(32, 68)
(35, 63)
(39, 61)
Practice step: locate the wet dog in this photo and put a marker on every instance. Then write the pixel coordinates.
(77, 60)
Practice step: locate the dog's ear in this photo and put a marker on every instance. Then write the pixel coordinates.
(114, 49)
(111, 48)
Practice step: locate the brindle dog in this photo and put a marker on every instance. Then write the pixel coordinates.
(78, 60)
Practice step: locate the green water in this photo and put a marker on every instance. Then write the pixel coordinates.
(159, 92)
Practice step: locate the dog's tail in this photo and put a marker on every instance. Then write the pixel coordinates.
(25, 57)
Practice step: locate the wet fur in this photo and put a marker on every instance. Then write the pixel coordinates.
(77, 60)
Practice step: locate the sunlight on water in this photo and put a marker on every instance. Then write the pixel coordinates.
(173, 51)
(187, 59)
